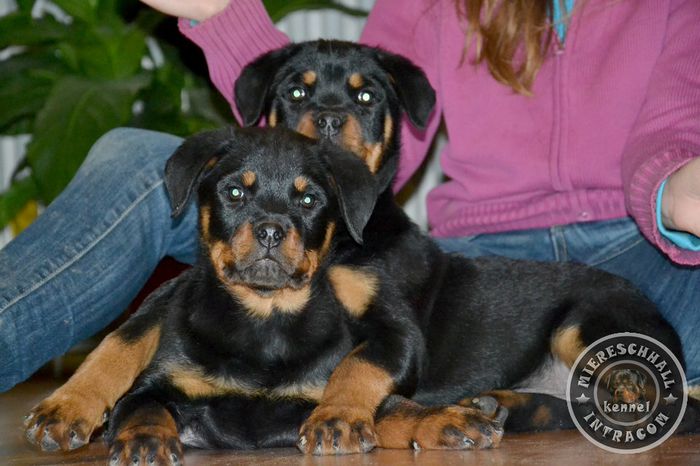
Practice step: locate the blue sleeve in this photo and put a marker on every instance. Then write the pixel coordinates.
(679, 238)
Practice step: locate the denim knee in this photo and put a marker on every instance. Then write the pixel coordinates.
(128, 152)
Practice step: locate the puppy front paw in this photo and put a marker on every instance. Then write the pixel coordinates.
(146, 446)
(459, 428)
(338, 430)
(64, 421)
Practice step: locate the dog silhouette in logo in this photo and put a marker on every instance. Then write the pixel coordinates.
(627, 386)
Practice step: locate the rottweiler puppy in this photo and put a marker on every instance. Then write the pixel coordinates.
(627, 385)
(340, 92)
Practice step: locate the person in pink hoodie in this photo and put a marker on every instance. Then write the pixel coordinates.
(588, 152)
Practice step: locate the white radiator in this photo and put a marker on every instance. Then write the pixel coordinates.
(299, 26)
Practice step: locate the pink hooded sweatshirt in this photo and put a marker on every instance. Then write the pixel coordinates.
(615, 111)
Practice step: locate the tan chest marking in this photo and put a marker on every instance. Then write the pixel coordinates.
(354, 287)
(195, 384)
(287, 301)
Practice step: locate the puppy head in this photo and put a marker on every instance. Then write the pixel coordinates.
(345, 93)
(270, 203)
(627, 385)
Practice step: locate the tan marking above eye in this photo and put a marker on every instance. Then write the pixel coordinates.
(356, 81)
(309, 77)
(301, 183)
(354, 287)
(248, 178)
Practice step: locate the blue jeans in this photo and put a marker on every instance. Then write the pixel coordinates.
(77, 267)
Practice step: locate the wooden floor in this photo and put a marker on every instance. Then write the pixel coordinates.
(560, 448)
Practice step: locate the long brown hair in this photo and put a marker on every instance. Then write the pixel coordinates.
(504, 29)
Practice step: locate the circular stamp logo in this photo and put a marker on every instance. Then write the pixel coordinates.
(627, 393)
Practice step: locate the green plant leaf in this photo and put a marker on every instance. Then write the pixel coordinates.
(25, 6)
(77, 112)
(21, 96)
(278, 9)
(14, 198)
(21, 29)
(84, 10)
(161, 102)
(28, 80)
(104, 51)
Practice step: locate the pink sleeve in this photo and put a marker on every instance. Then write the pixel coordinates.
(232, 39)
(666, 134)
(408, 28)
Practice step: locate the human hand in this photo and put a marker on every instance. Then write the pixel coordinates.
(680, 206)
(199, 10)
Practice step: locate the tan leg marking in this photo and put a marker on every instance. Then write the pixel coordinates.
(343, 422)
(567, 344)
(542, 416)
(67, 418)
(445, 427)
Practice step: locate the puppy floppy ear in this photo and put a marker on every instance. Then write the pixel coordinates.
(354, 185)
(186, 166)
(412, 87)
(252, 88)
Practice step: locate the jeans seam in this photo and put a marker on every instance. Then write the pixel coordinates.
(84, 251)
(618, 253)
(561, 253)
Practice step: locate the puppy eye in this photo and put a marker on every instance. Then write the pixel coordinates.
(297, 94)
(236, 194)
(365, 97)
(308, 201)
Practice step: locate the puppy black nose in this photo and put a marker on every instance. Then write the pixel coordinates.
(269, 234)
(329, 123)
